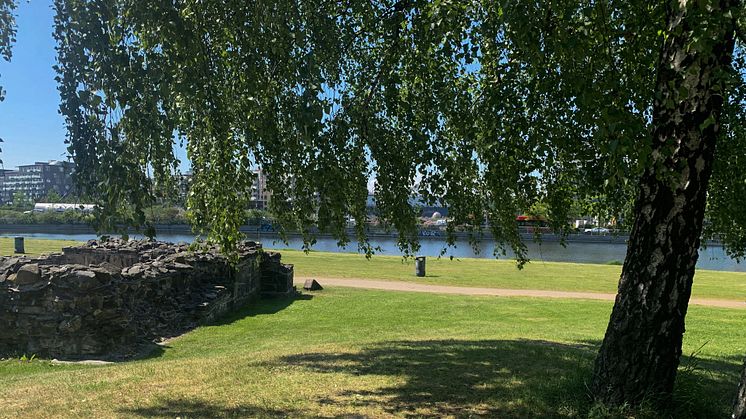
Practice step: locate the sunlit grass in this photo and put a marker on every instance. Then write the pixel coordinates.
(34, 247)
(376, 354)
(560, 276)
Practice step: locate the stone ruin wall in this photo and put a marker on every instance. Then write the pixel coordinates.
(107, 299)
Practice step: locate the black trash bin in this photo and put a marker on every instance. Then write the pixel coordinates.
(19, 245)
(419, 265)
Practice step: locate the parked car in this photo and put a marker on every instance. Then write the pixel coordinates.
(597, 230)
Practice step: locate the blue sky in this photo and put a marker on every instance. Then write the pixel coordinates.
(30, 123)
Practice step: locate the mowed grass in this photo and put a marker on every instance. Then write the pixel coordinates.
(34, 247)
(344, 352)
(491, 273)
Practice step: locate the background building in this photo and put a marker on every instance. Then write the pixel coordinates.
(37, 180)
(183, 183)
(260, 195)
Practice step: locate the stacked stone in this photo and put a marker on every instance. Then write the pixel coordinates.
(277, 278)
(178, 291)
(62, 310)
(128, 293)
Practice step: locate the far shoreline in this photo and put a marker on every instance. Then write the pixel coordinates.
(253, 230)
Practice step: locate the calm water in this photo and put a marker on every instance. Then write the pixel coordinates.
(713, 257)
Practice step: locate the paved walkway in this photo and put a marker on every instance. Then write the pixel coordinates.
(501, 292)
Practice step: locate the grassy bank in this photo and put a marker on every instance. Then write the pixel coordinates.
(344, 352)
(376, 354)
(462, 272)
(34, 247)
(560, 276)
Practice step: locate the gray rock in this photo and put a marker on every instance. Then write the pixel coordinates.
(135, 270)
(9, 264)
(108, 267)
(71, 325)
(28, 274)
(312, 285)
(86, 279)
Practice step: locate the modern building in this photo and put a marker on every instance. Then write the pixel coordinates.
(184, 182)
(260, 194)
(37, 180)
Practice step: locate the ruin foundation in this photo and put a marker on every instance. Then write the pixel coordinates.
(109, 298)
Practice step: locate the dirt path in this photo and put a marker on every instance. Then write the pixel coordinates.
(501, 292)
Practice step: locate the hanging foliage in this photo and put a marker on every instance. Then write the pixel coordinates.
(486, 107)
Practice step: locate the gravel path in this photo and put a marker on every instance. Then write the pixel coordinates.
(500, 292)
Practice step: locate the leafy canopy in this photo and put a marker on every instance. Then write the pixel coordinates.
(488, 107)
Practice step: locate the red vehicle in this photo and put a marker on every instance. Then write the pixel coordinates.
(532, 224)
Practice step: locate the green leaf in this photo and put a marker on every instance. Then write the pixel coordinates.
(708, 122)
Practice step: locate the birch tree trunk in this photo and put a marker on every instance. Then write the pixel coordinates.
(640, 352)
(739, 407)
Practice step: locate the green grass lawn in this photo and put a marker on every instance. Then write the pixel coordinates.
(348, 352)
(345, 352)
(34, 247)
(463, 272)
(498, 273)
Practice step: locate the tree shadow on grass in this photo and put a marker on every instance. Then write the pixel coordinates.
(706, 387)
(261, 307)
(185, 408)
(190, 408)
(151, 350)
(488, 378)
